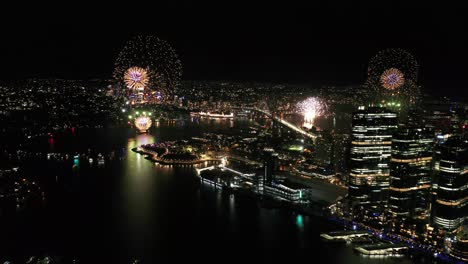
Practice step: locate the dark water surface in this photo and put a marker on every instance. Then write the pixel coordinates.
(132, 208)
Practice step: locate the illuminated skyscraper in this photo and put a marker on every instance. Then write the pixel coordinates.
(410, 172)
(371, 142)
(450, 184)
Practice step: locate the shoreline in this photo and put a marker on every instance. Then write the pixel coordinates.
(151, 156)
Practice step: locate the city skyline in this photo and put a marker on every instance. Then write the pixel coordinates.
(340, 132)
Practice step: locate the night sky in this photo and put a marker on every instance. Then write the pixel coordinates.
(318, 43)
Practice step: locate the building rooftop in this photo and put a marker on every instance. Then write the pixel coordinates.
(292, 185)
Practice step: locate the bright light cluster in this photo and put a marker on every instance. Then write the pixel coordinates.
(143, 123)
(158, 58)
(392, 79)
(311, 108)
(393, 75)
(136, 78)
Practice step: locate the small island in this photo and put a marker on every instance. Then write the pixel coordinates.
(180, 152)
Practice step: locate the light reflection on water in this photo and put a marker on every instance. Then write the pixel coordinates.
(163, 206)
(154, 207)
(137, 191)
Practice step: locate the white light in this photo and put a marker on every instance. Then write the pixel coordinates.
(123, 110)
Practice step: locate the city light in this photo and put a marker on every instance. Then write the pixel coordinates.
(300, 221)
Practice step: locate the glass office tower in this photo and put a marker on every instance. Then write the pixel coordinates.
(410, 172)
(371, 141)
(450, 184)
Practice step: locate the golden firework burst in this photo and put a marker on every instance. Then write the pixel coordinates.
(392, 79)
(136, 78)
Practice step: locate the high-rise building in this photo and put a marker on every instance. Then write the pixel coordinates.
(324, 149)
(371, 140)
(450, 184)
(270, 165)
(341, 149)
(458, 247)
(410, 172)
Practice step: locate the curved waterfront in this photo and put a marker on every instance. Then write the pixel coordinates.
(130, 207)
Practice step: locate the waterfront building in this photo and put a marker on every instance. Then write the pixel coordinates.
(450, 184)
(270, 165)
(324, 149)
(341, 144)
(371, 139)
(410, 172)
(287, 191)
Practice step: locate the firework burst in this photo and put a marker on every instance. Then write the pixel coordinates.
(143, 123)
(311, 108)
(156, 57)
(136, 78)
(392, 75)
(392, 79)
(393, 58)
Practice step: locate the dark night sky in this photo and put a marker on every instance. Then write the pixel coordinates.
(318, 43)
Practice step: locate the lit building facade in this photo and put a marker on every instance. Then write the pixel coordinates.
(410, 172)
(371, 141)
(288, 191)
(450, 184)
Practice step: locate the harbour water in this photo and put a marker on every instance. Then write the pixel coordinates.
(130, 208)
